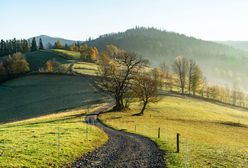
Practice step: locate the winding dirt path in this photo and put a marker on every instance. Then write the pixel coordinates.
(122, 150)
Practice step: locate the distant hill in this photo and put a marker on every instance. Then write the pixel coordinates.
(220, 63)
(46, 39)
(243, 45)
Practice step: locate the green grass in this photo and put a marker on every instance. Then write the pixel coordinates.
(85, 68)
(36, 95)
(67, 53)
(38, 59)
(217, 135)
(34, 142)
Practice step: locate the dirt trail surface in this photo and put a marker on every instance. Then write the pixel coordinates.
(122, 150)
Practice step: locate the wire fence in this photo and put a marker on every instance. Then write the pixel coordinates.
(11, 153)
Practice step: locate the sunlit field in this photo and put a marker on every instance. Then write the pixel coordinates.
(210, 135)
(66, 53)
(85, 68)
(34, 142)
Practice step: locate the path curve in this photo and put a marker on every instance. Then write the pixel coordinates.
(122, 150)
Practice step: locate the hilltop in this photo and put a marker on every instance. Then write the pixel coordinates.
(221, 63)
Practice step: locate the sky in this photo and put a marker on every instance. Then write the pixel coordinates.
(80, 19)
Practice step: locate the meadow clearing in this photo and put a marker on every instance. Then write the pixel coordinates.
(53, 140)
(211, 135)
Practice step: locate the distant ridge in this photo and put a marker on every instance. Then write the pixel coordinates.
(243, 45)
(46, 39)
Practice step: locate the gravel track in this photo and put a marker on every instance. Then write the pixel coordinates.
(122, 150)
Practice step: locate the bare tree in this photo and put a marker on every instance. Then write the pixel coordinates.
(117, 74)
(146, 88)
(204, 86)
(180, 67)
(192, 66)
(166, 76)
(196, 79)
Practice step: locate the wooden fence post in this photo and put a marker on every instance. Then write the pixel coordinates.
(178, 149)
(158, 132)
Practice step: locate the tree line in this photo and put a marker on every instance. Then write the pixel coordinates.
(186, 77)
(8, 47)
(129, 77)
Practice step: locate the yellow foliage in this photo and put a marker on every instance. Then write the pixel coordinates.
(18, 64)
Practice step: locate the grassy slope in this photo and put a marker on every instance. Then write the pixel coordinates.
(217, 135)
(79, 67)
(67, 54)
(34, 142)
(85, 68)
(36, 95)
(38, 59)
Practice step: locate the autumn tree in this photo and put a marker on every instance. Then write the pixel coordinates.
(74, 47)
(112, 50)
(93, 54)
(52, 66)
(88, 54)
(17, 64)
(180, 67)
(58, 45)
(196, 79)
(192, 66)
(84, 52)
(146, 88)
(115, 75)
(166, 76)
(203, 87)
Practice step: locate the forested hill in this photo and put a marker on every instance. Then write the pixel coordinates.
(220, 63)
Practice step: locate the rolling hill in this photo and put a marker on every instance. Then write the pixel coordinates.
(36, 95)
(221, 63)
(38, 59)
(211, 135)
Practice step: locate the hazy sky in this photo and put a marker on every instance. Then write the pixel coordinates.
(80, 19)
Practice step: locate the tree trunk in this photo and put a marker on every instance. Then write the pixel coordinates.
(143, 108)
(119, 103)
(182, 90)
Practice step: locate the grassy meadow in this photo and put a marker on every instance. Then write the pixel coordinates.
(85, 68)
(34, 142)
(211, 135)
(37, 95)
